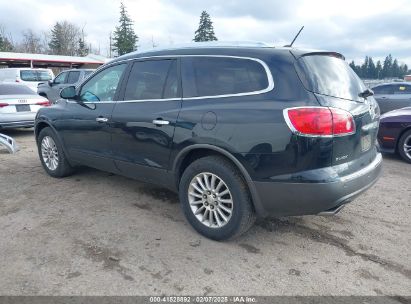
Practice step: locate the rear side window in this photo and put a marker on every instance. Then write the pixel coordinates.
(213, 76)
(73, 77)
(156, 79)
(384, 89)
(330, 76)
(34, 75)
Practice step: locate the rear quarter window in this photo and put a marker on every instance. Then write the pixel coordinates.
(329, 75)
(214, 76)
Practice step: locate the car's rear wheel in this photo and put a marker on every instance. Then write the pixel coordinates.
(51, 154)
(404, 146)
(215, 198)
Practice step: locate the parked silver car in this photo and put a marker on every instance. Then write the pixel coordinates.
(392, 96)
(19, 105)
(51, 89)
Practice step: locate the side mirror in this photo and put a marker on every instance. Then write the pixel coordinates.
(68, 93)
(50, 82)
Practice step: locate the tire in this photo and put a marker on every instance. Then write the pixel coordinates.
(211, 170)
(403, 144)
(49, 143)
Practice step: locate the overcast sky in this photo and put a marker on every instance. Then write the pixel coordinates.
(353, 27)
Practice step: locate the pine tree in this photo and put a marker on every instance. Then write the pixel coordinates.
(387, 67)
(395, 69)
(378, 70)
(56, 43)
(205, 31)
(372, 70)
(82, 49)
(5, 44)
(125, 39)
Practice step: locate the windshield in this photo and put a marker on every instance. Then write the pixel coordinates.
(35, 75)
(330, 76)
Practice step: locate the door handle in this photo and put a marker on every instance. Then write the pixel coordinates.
(102, 119)
(160, 122)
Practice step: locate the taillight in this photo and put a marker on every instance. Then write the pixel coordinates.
(3, 104)
(44, 103)
(319, 121)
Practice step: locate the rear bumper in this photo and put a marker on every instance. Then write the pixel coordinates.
(17, 124)
(17, 120)
(296, 198)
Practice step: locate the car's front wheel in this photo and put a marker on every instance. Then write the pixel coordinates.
(51, 154)
(215, 198)
(404, 146)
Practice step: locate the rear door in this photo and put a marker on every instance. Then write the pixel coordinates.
(401, 97)
(335, 84)
(383, 95)
(143, 122)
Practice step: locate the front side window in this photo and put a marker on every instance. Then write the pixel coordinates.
(103, 86)
(73, 77)
(383, 90)
(212, 76)
(61, 78)
(153, 79)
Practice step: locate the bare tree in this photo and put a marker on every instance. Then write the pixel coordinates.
(32, 43)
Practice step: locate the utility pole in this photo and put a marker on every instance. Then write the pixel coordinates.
(110, 47)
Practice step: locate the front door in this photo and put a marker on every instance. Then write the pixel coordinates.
(57, 85)
(144, 121)
(85, 125)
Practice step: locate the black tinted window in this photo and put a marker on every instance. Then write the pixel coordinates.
(384, 89)
(15, 89)
(73, 77)
(211, 76)
(330, 76)
(402, 89)
(155, 79)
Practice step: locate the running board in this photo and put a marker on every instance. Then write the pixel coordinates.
(9, 143)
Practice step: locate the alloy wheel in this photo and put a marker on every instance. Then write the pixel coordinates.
(49, 153)
(407, 146)
(210, 200)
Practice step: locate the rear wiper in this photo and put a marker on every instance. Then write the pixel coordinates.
(366, 93)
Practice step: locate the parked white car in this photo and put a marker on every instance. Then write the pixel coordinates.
(19, 105)
(27, 76)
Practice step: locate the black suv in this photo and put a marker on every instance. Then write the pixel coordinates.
(239, 131)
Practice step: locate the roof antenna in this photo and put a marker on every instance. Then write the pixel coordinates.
(291, 44)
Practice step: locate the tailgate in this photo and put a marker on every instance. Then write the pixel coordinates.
(336, 85)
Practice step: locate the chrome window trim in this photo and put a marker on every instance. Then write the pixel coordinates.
(269, 88)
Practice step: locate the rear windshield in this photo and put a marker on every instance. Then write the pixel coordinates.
(35, 75)
(15, 89)
(330, 76)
